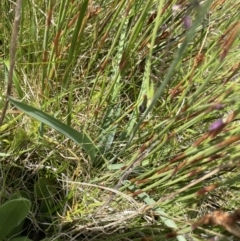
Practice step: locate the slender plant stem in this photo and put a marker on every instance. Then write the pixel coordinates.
(13, 47)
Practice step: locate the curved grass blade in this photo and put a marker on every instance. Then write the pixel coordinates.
(80, 138)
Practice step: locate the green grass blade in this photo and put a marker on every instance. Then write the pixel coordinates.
(163, 215)
(75, 41)
(16, 80)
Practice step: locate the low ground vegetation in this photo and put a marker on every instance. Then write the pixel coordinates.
(122, 121)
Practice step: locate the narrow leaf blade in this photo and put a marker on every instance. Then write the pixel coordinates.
(80, 138)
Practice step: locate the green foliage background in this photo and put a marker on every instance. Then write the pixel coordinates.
(123, 120)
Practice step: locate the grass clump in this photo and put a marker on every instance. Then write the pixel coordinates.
(134, 118)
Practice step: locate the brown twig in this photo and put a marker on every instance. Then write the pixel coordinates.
(13, 47)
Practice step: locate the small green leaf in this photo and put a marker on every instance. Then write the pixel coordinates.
(80, 138)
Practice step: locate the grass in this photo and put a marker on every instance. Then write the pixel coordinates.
(122, 120)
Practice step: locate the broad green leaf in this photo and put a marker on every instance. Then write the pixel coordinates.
(19, 228)
(44, 191)
(80, 138)
(11, 214)
(21, 239)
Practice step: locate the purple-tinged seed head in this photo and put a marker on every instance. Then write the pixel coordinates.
(216, 125)
(218, 106)
(187, 22)
(164, 27)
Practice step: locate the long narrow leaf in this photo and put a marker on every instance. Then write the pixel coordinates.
(80, 138)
